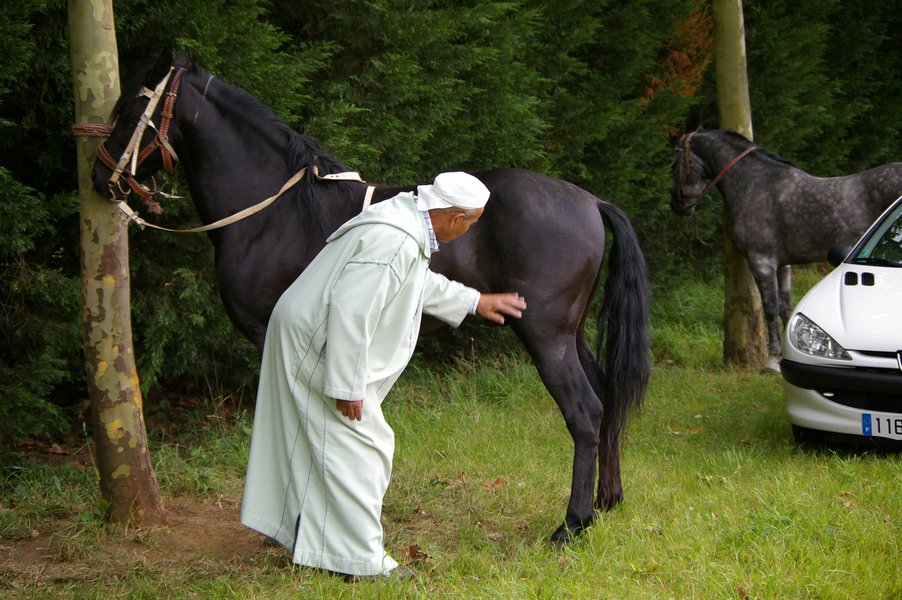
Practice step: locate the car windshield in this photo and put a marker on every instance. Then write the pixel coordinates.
(884, 246)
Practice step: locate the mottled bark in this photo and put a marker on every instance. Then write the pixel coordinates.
(127, 478)
(745, 338)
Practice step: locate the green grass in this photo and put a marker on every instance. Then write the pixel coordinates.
(687, 325)
(720, 502)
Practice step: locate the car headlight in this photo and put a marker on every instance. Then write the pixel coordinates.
(806, 336)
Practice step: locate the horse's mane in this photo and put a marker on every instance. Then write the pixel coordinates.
(302, 151)
(760, 152)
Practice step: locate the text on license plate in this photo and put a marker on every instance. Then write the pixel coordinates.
(887, 425)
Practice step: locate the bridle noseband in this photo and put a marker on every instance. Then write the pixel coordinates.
(133, 152)
(691, 163)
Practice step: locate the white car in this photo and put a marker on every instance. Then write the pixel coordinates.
(842, 350)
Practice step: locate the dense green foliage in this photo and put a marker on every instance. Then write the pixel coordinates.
(588, 91)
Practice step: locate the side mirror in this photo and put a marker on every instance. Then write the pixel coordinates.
(837, 254)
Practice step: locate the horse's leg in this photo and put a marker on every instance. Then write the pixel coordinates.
(610, 488)
(561, 371)
(764, 270)
(784, 281)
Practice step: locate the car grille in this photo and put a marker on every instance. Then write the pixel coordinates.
(875, 401)
(877, 353)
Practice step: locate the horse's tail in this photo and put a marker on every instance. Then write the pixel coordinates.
(623, 337)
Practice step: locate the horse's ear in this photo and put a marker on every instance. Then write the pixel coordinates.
(185, 59)
(164, 60)
(676, 134)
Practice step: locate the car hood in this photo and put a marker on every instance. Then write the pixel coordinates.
(859, 317)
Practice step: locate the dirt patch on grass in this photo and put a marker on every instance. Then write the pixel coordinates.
(198, 535)
(69, 546)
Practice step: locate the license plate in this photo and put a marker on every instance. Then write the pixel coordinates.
(886, 425)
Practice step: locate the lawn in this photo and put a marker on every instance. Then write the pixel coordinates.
(720, 501)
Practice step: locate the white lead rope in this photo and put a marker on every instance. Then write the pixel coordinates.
(346, 176)
(368, 198)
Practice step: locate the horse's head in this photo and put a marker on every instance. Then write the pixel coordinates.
(138, 144)
(690, 179)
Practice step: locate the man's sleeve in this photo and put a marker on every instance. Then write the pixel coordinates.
(448, 300)
(357, 301)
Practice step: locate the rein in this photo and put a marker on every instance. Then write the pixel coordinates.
(131, 215)
(136, 155)
(729, 166)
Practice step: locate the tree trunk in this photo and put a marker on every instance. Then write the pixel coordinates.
(127, 479)
(745, 338)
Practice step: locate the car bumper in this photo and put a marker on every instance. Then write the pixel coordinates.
(816, 377)
(833, 400)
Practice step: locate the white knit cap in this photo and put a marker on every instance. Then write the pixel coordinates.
(452, 189)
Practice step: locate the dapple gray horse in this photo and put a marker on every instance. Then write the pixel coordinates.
(777, 214)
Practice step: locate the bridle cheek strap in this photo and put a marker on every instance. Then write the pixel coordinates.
(162, 140)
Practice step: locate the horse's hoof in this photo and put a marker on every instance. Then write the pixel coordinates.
(561, 537)
(566, 534)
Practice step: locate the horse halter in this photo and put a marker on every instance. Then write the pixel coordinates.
(687, 162)
(133, 152)
(690, 163)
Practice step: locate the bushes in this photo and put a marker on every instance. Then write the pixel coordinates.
(588, 91)
(39, 314)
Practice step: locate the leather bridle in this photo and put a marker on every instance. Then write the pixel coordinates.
(134, 154)
(689, 162)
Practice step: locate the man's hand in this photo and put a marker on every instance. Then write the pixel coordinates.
(493, 307)
(352, 409)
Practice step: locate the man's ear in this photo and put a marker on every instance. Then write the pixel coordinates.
(460, 215)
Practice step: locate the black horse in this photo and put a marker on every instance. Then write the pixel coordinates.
(538, 236)
(777, 214)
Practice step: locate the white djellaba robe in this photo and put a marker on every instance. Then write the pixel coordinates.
(345, 329)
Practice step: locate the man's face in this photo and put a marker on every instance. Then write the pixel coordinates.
(450, 225)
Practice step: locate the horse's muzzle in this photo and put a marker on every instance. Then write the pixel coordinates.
(682, 205)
